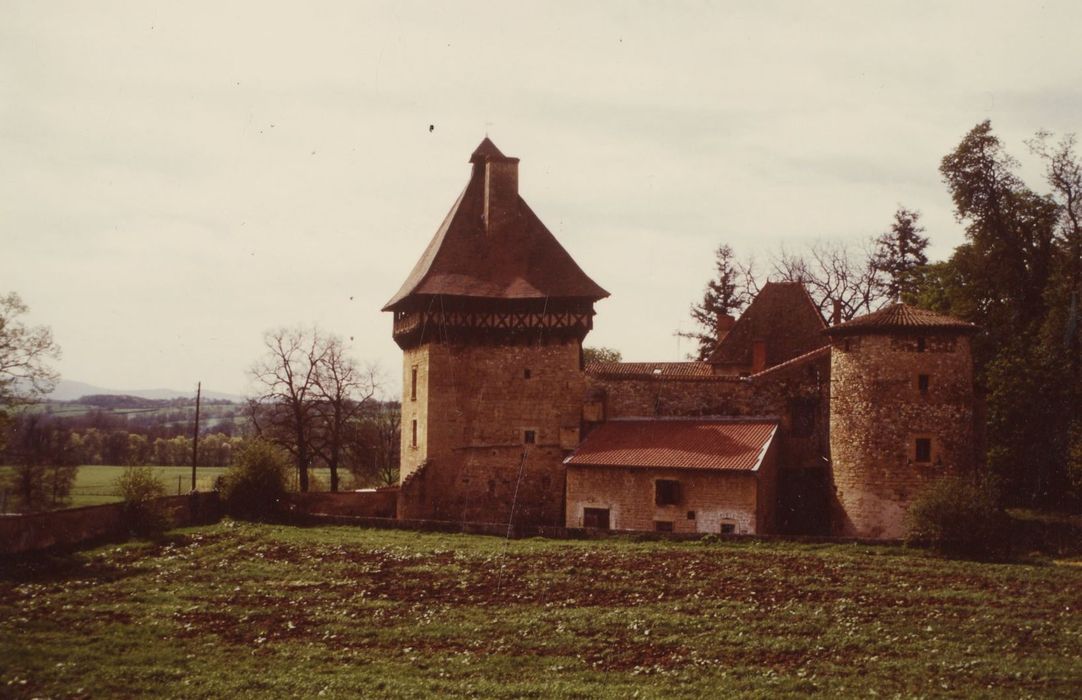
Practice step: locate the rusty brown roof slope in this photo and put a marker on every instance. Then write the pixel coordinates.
(718, 444)
(522, 261)
(901, 318)
(485, 150)
(782, 315)
(817, 354)
(663, 370)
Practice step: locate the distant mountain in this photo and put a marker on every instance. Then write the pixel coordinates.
(69, 390)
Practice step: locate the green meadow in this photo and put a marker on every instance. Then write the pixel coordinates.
(248, 610)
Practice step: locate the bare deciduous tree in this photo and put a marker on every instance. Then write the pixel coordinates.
(833, 273)
(342, 390)
(284, 412)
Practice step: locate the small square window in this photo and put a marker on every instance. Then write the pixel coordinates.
(923, 450)
(663, 525)
(529, 437)
(728, 528)
(691, 515)
(922, 383)
(666, 492)
(526, 374)
(921, 345)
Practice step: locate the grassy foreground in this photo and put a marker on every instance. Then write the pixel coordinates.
(252, 611)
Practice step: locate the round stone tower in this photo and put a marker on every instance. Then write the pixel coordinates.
(901, 413)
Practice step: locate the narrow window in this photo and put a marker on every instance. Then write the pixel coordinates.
(728, 528)
(663, 525)
(526, 373)
(691, 515)
(923, 450)
(802, 417)
(413, 384)
(921, 346)
(413, 439)
(596, 518)
(529, 437)
(922, 383)
(666, 492)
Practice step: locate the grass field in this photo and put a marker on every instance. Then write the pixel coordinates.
(96, 484)
(253, 611)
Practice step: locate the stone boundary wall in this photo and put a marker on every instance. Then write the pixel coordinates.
(33, 532)
(378, 503)
(560, 533)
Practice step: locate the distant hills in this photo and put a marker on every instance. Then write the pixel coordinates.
(69, 390)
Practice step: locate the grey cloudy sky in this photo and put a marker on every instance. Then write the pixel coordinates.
(180, 177)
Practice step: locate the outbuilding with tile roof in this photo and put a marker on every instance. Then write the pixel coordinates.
(705, 475)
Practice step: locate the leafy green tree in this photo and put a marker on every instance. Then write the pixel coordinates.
(25, 353)
(1014, 278)
(898, 255)
(601, 355)
(256, 482)
(141, 490)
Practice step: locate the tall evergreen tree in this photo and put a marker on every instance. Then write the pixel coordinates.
(724, 295)
(898, 254)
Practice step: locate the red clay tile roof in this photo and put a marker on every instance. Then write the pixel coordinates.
(784, 316)
(648, 370)
(523, 261)
(901, 318)
(718, 444)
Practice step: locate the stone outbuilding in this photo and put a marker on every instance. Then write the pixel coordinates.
(675, 475)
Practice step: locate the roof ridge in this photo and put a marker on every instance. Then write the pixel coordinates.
(799, 359)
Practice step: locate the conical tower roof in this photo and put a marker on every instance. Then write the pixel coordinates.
(492, 246)
(902, 318)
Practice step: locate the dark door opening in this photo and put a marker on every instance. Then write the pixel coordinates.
(597, 518)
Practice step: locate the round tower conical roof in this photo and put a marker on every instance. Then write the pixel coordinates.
(902, 318)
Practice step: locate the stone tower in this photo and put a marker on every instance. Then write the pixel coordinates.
(901, 413)
(491, 322)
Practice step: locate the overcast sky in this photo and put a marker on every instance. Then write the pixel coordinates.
(178, 178)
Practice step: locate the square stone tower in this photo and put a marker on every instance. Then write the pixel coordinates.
(491, 322)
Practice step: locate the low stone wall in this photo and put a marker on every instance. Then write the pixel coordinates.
(378, 503)
(558, 533)
(76, 526)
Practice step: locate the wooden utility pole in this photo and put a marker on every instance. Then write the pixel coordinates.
(195, 433)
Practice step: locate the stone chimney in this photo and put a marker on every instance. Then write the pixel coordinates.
(758, 355)
(725, 324)
(499, 178)
(836, 313)
(501, 192)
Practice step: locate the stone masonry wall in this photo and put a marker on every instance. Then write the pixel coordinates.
(777, 395)
(474, 406)
(710, 497)
(878, 412)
